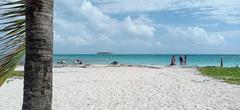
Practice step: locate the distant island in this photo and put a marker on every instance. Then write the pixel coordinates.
(104, 53)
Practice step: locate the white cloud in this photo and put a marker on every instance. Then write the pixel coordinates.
(193, 35)
(83, 27)
(103, 23)
(122, 6)
(222, 10)
(138, 27)
(230, 34)
(71, 41)
(97, 29)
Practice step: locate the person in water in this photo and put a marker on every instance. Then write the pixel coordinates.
(173, 60)
(181, 60)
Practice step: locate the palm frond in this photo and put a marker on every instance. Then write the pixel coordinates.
(12, 37)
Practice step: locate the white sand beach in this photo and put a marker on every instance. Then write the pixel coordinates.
(130, 88)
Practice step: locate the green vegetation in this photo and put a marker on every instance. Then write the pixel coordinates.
(12, 74)
(12, 39)
(230, 75)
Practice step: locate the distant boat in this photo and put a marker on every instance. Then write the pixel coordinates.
(104, 53)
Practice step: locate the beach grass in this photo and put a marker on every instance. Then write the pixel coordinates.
(13, 74)
(229, 75)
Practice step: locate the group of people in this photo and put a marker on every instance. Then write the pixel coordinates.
(183, 61)
(75, 62)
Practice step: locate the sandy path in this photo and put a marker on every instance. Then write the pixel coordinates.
(131, 88)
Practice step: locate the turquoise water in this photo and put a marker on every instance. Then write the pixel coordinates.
(149, 59)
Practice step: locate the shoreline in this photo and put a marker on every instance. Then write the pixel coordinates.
(124, 65)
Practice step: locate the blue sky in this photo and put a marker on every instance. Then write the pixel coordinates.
(147, 26)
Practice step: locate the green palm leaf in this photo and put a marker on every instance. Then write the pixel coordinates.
(12, 37)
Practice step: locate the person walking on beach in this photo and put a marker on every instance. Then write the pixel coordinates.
(185, 60)
(181, 60)
(173, 60)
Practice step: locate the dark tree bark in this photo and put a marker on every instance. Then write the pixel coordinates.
(38, 61)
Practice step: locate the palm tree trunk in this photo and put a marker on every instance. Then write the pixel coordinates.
(38, 61)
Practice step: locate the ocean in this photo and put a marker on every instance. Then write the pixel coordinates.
(149, 59)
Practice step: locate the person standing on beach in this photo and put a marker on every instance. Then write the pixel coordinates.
(181, 60)
(185, 60)
(173, 60)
